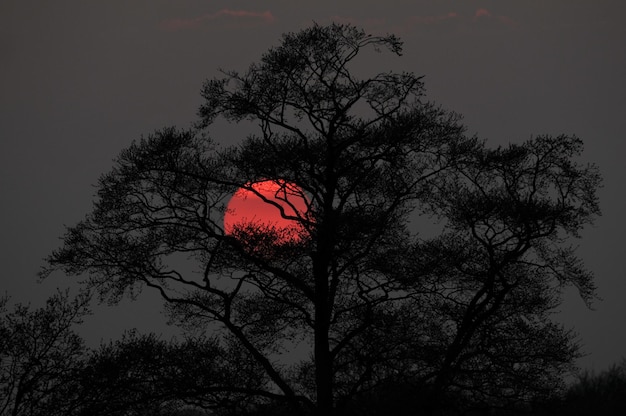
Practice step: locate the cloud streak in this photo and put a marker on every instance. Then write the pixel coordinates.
(429, 20)
(221, 15)
(486, 14)
(479, 14)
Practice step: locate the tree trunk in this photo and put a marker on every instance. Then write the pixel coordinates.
(323, 307)
(323, 362)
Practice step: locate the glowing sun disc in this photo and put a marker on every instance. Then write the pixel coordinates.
(256, 206)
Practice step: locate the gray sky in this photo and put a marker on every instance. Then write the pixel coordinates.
(79, 80)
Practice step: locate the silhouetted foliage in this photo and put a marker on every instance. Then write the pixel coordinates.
(372, 304)
(590, 394)
(40, 355)
(604, 393)
(142, 374)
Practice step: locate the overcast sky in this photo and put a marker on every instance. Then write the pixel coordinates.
(79, 80)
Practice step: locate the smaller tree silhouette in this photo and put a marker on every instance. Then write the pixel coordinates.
(143, 374)
(40, 355)
(603, 393)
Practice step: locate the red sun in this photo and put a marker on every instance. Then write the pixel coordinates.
(268, 207)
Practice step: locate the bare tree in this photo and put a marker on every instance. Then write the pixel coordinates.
(372, 302)
(145, 375)
(40, 354)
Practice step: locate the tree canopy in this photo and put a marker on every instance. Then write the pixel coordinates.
(40, 354)
(370, 301)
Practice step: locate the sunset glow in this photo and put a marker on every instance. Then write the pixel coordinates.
(257, 208)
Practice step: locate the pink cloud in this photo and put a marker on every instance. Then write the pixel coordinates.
(428, 20)
(181, 24)
(482, 13)
(479, 14)
(486, 14)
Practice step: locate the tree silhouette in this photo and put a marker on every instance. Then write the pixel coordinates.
(145, 375)
(370, 302)
(40, 355)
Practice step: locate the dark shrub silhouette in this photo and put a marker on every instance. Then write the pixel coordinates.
(604, 393)
(41, 355)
